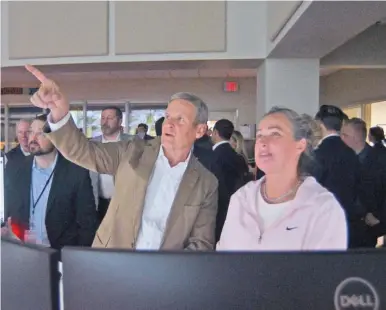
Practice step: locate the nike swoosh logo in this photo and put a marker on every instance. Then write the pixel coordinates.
(291, 228)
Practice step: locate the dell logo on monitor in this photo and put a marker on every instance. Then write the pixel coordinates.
(356, 293)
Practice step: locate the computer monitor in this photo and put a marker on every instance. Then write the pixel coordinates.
(29, 276)
(105, 279)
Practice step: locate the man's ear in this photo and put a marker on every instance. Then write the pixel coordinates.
(201, 129)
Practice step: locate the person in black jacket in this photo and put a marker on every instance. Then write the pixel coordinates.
(377, 137)
(142, 130)
(232, 167)
(372, 189)
(338, 170)
(50, 196)
(204, 142)
(22, 150)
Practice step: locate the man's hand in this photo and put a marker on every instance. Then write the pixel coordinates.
(6, 231)
(49, 96)
(371, 220)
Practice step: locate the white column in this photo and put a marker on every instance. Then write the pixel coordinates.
(290, 83)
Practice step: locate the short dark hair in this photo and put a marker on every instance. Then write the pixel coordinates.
(331, 117)
(41, 117)
(118, 111)
(377, 133)
(158, 126)
(332, 123)
(225, 128)
(359, 126)
(144, 126)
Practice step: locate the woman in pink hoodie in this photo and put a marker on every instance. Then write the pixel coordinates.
(287, 210)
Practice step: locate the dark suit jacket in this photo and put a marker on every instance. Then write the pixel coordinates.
(338, 171)
(372, 191)
(71, 214)
(204, 142)
(15, 154)
(231, 170)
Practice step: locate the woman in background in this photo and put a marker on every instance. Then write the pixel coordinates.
(315, 127)
(286, 210)
(238, 144)
(377, 137)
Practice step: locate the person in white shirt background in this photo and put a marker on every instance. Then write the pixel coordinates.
(103, 184)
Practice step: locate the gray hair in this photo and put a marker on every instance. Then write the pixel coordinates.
(199, 104)
(23, 120)
(301, 130)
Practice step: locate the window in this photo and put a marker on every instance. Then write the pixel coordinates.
(146, 116)
(378, 114)
(77, 115)
(355, 111)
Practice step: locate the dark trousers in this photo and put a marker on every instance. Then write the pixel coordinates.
(102, 208)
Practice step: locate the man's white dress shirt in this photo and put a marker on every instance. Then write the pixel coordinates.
(160, 194)
(106, 181)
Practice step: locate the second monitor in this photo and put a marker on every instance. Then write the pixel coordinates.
(105, 279)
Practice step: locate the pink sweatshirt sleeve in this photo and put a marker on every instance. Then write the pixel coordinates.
(329, 230)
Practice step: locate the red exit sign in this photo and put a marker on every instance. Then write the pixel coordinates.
(231, 87)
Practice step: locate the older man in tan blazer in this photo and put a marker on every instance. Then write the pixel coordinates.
(164, 198)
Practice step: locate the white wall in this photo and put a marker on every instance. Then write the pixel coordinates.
(349, 87)
(378, 113)
(246, 24)
(152, 91)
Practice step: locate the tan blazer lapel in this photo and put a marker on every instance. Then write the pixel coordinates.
(186, 187)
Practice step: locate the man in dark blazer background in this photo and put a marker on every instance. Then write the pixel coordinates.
(50, 196)
(232, 169)
(339, 170)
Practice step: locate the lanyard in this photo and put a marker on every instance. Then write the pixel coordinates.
(41, 193)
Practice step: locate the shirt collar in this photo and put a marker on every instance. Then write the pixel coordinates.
(118, 138)
(218, 144)
(50, 168)
(161, 155)
(24, 152)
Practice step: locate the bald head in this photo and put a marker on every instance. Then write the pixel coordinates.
(22, 129)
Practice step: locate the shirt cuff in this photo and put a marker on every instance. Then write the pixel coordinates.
(59, 124)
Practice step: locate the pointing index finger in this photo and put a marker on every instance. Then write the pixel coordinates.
(36, 73)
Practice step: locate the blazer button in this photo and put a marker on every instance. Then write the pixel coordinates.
(132, 245)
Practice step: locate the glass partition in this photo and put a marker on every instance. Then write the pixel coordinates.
(146, 116)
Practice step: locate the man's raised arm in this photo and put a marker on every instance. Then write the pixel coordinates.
(74, 145)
